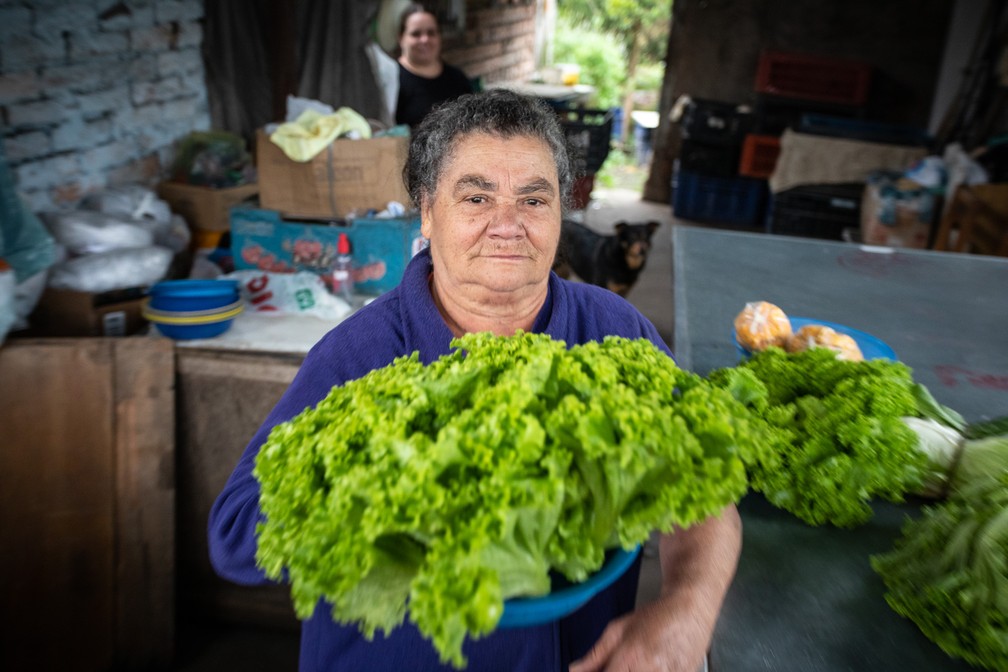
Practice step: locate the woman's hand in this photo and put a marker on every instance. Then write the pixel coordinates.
(658, 637)
(672, 633)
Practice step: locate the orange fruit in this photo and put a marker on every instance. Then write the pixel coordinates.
(761, 325)
(821, 336)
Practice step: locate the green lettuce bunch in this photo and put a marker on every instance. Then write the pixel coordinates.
(440, 491)
(948, 571)
(837, 439)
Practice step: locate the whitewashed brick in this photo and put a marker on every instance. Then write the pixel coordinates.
(138, 16)
(69, 136)
(142, 93)
(70, 17)
(36, 113)
(47, 172)
(178, 10)
(78, 133)
(145, 115)
(107, 156)
(143, 67)
(17, 86)
(101, 102)
(14, 21)
(90, 75)
(193, 109)
(23, 50)
(87, 44)
(153, 38)
(24, 146)
(190, 35)
(187, 61)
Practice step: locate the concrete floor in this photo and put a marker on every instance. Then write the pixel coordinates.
(213, 647)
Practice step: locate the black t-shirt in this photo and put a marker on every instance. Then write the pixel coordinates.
(418, 95)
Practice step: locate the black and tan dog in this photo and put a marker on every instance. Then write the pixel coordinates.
(611, 261)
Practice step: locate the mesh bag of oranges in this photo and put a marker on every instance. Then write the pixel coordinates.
(761, 324)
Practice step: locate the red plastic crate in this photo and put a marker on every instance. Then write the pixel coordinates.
(817, 78)
(759, 155)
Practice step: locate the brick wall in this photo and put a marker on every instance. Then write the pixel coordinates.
(499, 40)
(95, 93)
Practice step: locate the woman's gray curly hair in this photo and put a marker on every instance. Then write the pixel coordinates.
(498, 112)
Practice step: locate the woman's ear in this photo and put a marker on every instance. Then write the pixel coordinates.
(425, 216)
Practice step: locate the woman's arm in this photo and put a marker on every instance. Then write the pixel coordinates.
(673, 633)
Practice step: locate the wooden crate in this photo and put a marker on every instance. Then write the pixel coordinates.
(87, 496)
(223, 396)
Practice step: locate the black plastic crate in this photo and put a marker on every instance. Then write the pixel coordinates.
(816, 210)
(863, 130)
(715, 122)
(712, 160)
(588, 134)
(773, 116)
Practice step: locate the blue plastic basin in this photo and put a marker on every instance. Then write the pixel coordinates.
(190, 295)
(184, 332)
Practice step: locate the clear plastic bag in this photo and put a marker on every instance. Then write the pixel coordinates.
(129, 201)
(301, 293)
(86, 232)
(115, 269)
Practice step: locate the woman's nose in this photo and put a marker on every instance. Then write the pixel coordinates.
(506, 221)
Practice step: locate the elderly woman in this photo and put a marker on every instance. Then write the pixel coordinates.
(490, 173)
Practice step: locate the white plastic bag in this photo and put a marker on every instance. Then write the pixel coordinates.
(301, 293)
(87, 232)
(116, 269)
(129, 201)
(961, 169)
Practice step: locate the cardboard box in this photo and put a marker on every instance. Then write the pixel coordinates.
(64, 312)
(381, 248)
(203, 208)
(349, 176)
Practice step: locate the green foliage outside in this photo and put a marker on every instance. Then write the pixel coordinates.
(620, 48)
(601, 59)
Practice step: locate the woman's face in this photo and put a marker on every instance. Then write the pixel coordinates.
(420, 41)
(494, 221)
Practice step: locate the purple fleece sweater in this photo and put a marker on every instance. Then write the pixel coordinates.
(398, 323)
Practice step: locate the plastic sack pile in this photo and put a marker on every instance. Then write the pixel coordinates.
(120, 237)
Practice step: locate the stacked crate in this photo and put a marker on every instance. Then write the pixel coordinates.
(588, 133)
(706, 185)
(789, 88)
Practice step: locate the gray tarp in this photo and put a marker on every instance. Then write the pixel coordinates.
(256, 52)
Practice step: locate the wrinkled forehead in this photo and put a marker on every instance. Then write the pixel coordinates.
(464, 145)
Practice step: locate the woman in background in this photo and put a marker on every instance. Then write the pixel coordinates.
(424, 79)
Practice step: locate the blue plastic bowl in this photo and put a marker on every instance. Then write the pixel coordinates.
(871, 347)
(193, 295)
(565, 598)
(192, 324)
(184, 332)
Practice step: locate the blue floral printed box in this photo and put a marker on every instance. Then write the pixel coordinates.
(380, 247)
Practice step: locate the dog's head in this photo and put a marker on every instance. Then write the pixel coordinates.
(635, 239)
